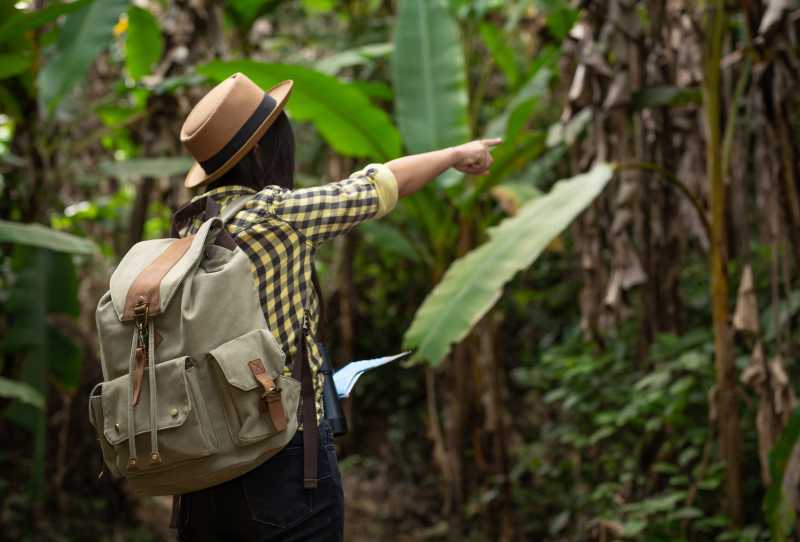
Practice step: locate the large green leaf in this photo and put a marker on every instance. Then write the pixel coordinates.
(40, 236)
(12, 64)
(429, 76)
(473, 283)
(503, 54)
(144, 43)
(27, 300)
(354, 57)
(521, 105)
(45, 283)
(24, 21)
(667, 96)
(384, 236)
(342, 114)
(247, 11)
(84, 34)
(22, 392)
(136, 168)
(560, 16)
(777, 503)
(318, 6)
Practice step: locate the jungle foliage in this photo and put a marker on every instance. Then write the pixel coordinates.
(604, 326)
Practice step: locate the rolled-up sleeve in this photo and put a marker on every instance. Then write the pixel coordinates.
(386, 185)
(324, 212)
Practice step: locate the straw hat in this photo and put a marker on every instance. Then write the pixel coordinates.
(227, 122)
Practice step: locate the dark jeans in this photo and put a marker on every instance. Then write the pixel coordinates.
(269, 502)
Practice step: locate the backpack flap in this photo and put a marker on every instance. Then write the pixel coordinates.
(152, 271)
(180, 433)
(173, 403)
(233, 358)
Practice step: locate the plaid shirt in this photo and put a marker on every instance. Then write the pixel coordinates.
(279, 230)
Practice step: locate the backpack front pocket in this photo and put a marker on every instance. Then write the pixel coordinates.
(96, 419)
(180, 435)
(247, 414)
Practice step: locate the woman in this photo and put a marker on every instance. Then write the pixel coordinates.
(244, 145)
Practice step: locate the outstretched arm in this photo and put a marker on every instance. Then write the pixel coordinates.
(415, 171)
(323, 212)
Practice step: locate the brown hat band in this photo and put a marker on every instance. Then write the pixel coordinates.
(244, 133)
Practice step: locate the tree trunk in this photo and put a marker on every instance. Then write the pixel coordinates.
(727, 409)
(139, 211)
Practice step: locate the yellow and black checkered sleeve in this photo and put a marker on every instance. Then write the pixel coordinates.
(326, 211)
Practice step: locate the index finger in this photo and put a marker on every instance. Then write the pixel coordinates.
(492, 142)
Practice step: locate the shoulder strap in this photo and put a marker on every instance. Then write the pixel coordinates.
(208, 207)
(230, 210)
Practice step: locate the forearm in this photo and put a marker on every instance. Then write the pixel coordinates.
(416, 170)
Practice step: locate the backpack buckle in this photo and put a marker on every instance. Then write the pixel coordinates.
(271, 399)
(142, 313)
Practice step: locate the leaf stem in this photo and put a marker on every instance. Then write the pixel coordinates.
(673, 180)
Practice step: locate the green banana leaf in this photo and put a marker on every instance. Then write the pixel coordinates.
(503, 54)
(385, 237)
(667, 96)
(778, 506)
(521, 105)
(12, 64)
(318, 6)
(45, 283)
(560, 16)
(473, 283)
(40, 236)
(429, 76)
(566, 133)
(28, 302)
(84, 34)
(245, 12)
(358, 56)
(136, 168)
(144, 43)
(22, 392)
(23, 20)
(342, 114)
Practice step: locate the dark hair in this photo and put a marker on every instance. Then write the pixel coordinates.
(271, 160)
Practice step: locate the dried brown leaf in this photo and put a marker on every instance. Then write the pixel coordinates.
(632, 274)
(754, 374)
(614, 289)
(579, 86)
(619, 93)
(775, 11)
(746, 316)
(622, 218)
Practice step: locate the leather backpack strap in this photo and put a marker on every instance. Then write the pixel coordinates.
(302, 372)
(206, 206)
(230, 210)
(209, 208)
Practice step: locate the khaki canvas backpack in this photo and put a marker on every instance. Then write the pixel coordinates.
(193, 391)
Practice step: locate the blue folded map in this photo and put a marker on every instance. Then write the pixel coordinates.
(346, 377)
